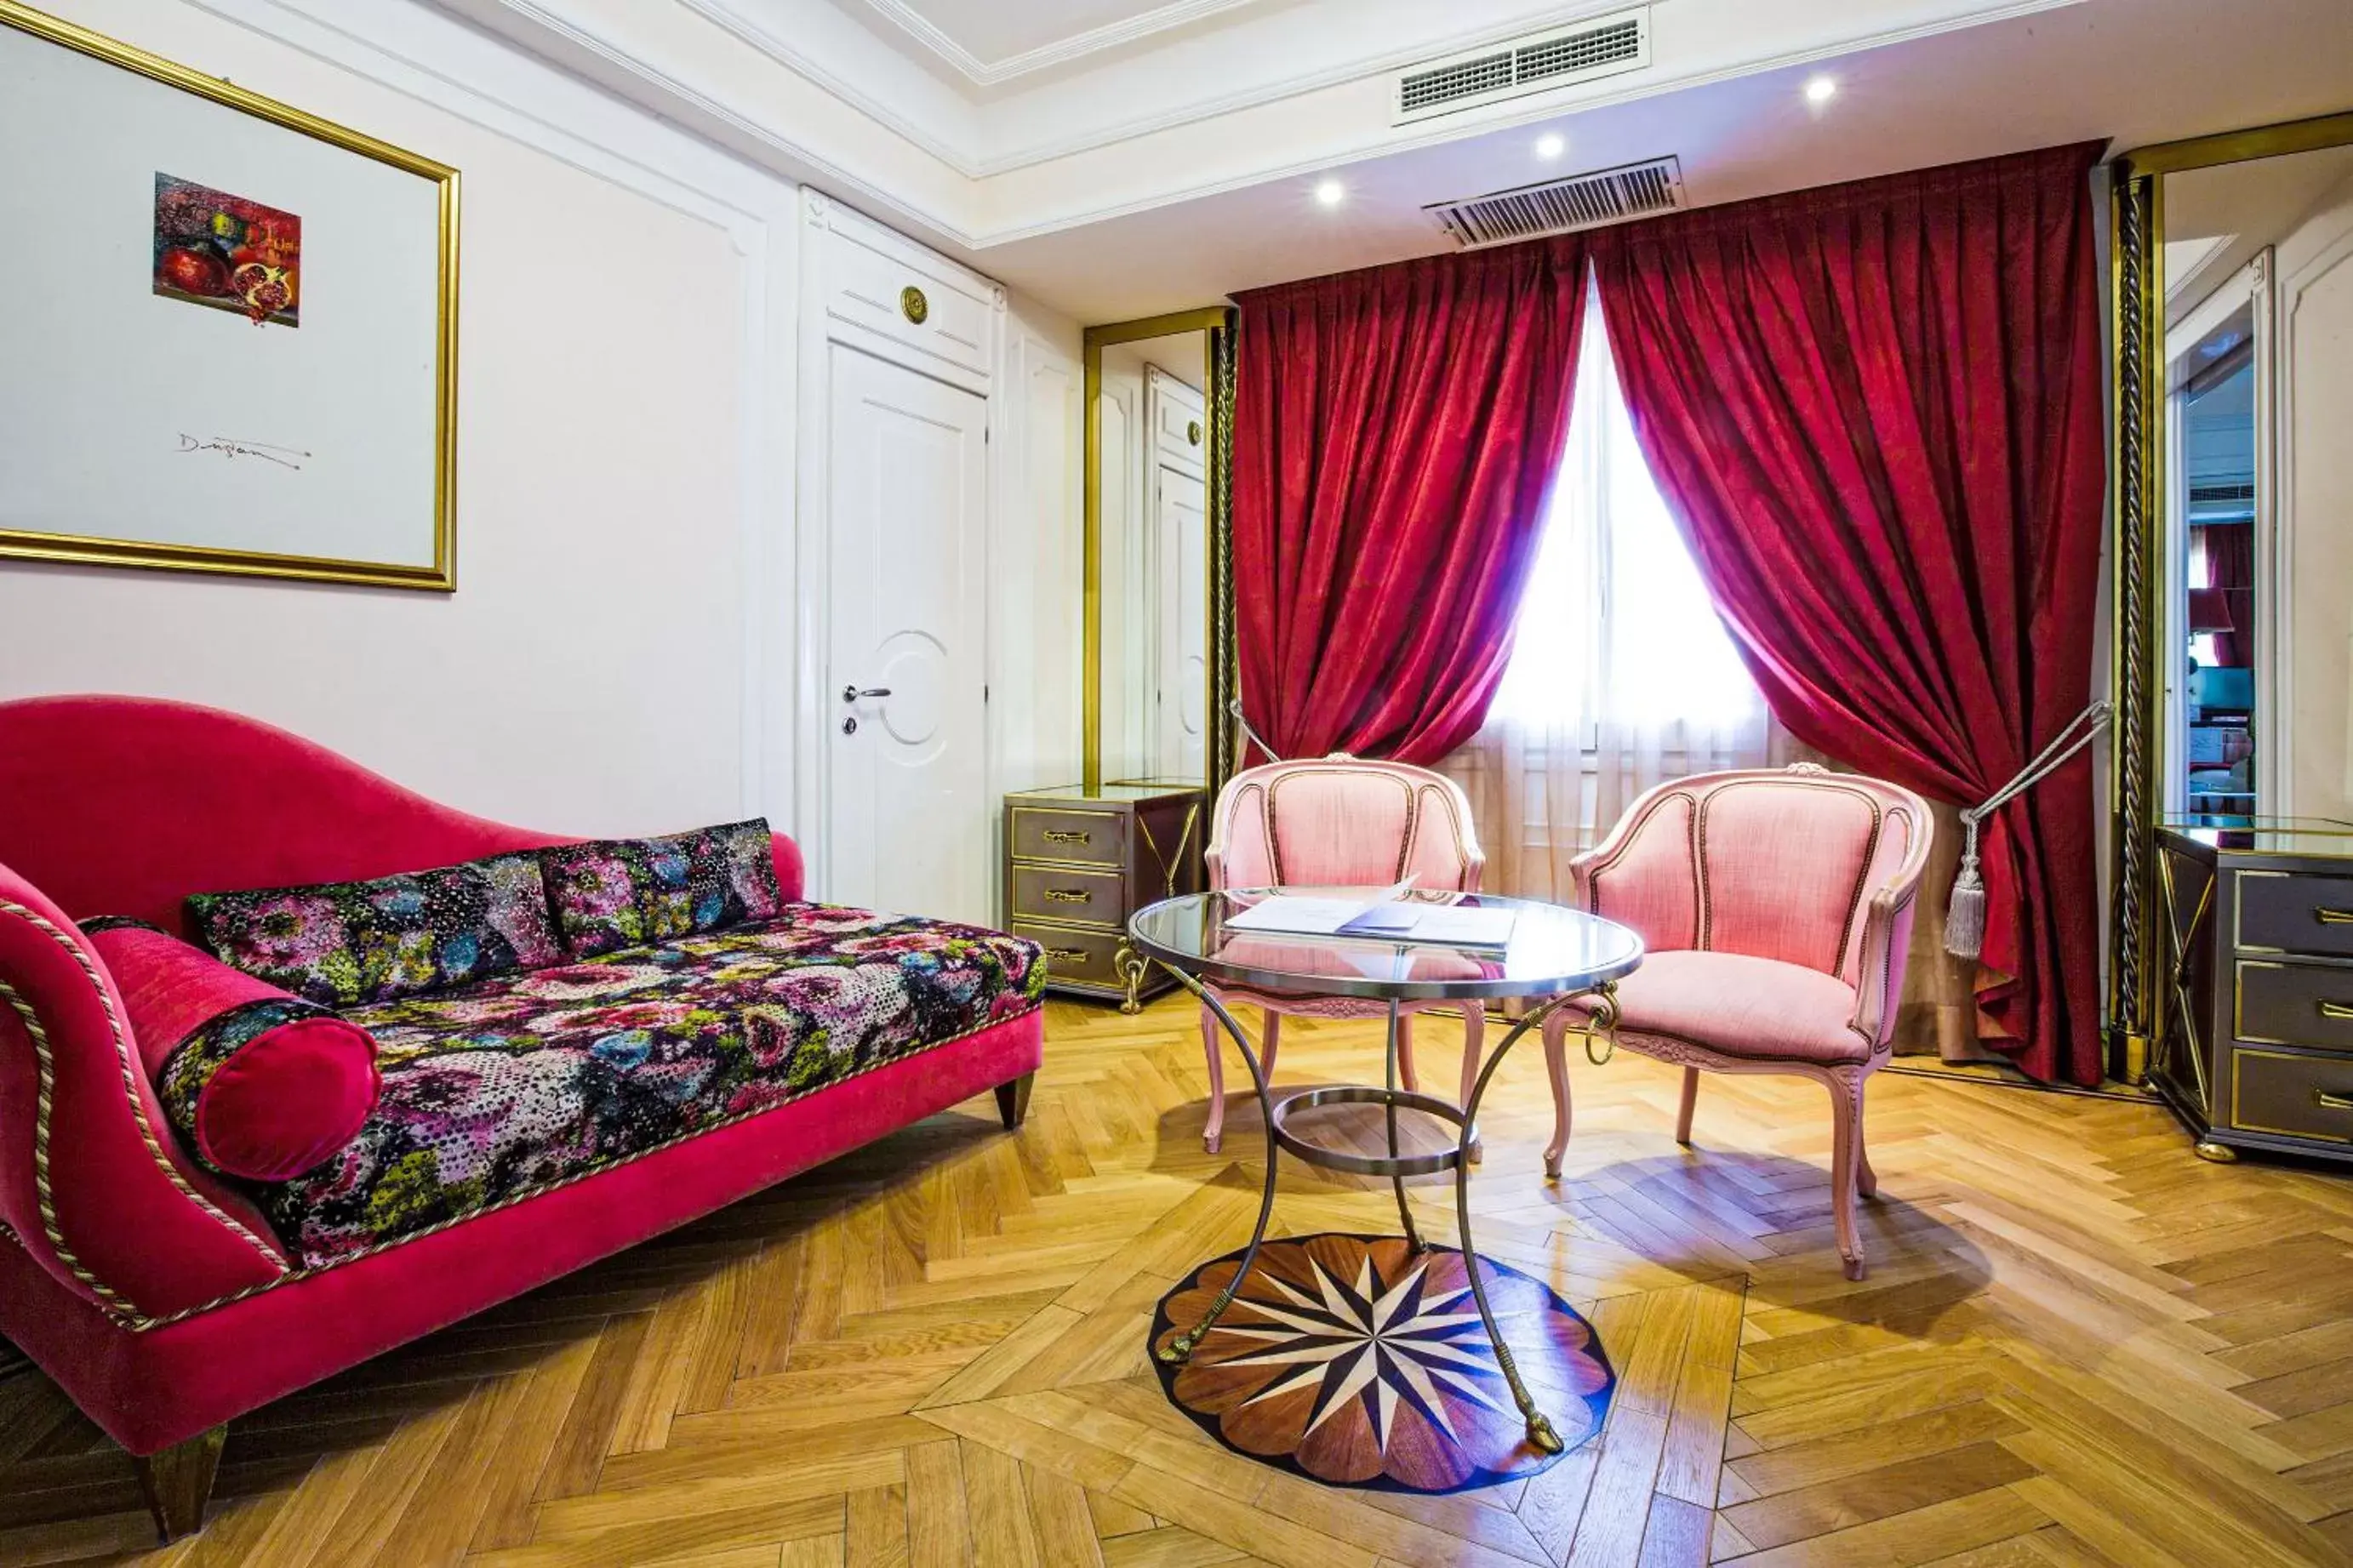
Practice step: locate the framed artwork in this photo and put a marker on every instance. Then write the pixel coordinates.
(230, 328)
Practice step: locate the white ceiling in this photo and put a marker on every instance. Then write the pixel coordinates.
(1115, 158)
(2129, 72)
(990, 41)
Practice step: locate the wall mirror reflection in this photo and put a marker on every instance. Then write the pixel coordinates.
(2256, 640)
(2233, 782)
(1152, 504)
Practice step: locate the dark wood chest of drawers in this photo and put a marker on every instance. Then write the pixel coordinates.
(1077, 863)
(2254, 1047)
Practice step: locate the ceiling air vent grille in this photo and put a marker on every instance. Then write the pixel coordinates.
(1601, 48)
(1440, 86)
(1557, 206)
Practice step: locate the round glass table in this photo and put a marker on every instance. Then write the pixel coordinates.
(1551, 956)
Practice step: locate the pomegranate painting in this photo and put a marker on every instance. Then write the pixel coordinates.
(228, 252)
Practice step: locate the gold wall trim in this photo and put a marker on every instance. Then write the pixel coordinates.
(442, 575)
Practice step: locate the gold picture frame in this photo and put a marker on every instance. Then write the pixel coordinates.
(440, 575)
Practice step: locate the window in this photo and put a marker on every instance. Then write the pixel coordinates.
(1616, 623)
(1621, 675)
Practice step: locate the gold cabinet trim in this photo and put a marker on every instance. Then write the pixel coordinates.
(2240, 1124)
(1113, 895)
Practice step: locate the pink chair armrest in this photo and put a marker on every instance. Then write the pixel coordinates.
(1886, 947)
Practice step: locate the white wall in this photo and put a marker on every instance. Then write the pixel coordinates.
(595, 667)
(619, 655)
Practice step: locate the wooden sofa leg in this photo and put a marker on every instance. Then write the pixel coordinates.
(1013, 1100)
(178, 1481)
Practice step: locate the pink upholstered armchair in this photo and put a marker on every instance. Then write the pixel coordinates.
(1338, 822)
(1777, 906)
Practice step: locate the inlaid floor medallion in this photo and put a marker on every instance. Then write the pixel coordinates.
(1359, 1362)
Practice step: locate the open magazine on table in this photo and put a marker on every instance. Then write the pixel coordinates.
(1384, 914)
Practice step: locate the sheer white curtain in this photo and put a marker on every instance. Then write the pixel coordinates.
(1621, 675)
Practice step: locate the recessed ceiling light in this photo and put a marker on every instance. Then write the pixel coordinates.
(1551, 145)
(1330, 193)
(1821, 89)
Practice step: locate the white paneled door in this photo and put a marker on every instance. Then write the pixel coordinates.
(907, 812)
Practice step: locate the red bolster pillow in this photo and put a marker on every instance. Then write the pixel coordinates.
(259, 1083)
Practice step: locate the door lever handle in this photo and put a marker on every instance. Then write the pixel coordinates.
(852, 693)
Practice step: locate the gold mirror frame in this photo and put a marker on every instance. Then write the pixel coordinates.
(2136, 520)
(1216, 325)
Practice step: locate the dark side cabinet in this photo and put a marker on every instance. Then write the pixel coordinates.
(1077, 863)
(2255, 1045)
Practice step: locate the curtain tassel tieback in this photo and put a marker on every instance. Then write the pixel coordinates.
(1965, 917)
(1250, 735)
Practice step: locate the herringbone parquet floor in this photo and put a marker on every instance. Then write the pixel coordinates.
(2078, 1345)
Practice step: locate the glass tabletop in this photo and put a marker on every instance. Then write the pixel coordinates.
(1552, 950)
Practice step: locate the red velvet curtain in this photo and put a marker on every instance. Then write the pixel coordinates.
(1395, 434)
(1876, 410)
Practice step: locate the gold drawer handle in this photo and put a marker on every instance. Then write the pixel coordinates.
(2329, 1102)
(2335, 1010)
(1068, 955)
(2330, 917)
(1069, 896)
(1066, 836)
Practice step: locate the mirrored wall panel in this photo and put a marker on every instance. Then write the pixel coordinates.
(2255, 486)
(1153, 506)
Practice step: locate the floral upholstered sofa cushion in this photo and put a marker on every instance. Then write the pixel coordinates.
(338, 943)
(496, 1091)
(625, 892)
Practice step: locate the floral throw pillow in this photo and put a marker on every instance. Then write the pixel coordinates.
(341, 944)
(631, 892)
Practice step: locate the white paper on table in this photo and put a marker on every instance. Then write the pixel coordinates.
(1298, 914)
(1385, 917)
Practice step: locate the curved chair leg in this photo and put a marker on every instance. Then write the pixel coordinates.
(1846, 1157)
(1866, 1180)
(1556, 1042)
(1474, 1043)
(1270, 1037)
(1691, 1103)
(1214, 1130)
(1405, 1051)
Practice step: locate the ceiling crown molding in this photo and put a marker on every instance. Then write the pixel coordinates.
(731, 20)
(1078, 46)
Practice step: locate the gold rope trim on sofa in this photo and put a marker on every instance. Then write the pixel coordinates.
(112, 1304)
(132, 1075)
(141, 1324)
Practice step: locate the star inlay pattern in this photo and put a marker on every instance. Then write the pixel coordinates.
(1360, 1362)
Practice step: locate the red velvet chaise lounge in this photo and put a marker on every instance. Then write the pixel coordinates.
(220, 1182)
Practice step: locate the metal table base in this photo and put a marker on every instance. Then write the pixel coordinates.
(1602, 1020)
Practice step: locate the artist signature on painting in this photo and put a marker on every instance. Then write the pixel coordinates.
(284, 456)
